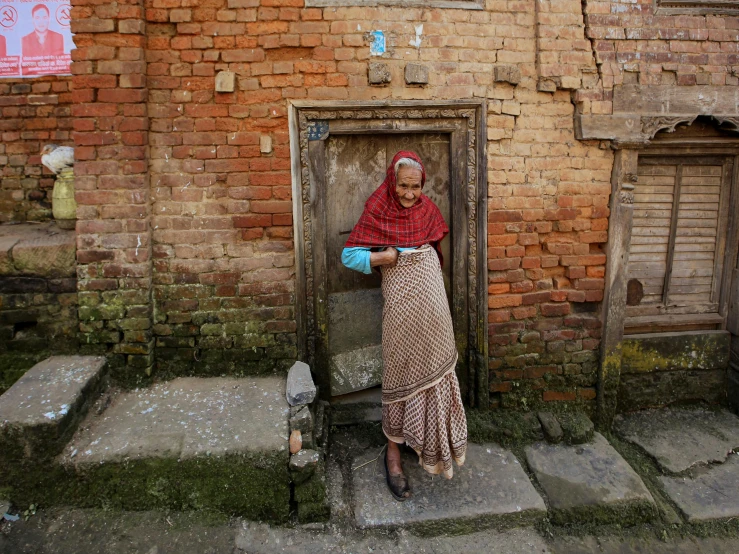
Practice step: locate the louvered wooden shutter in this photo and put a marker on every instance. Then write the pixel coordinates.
(678, 237)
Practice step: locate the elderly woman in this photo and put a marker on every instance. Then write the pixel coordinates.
(400, 232)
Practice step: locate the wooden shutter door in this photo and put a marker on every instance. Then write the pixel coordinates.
(678, 238)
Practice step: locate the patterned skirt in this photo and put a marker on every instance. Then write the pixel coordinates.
(422, 404)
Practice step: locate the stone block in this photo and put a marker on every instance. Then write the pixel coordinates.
(40, 411)
(302, 420)
(552, 430)
(680, 438)
(491, 486)
(590, 481)
(708, 495)
(303, 465)
(378, 73)
(416, 74)
(576, 427)
(300, 388)
(507, 74)
(225, 81)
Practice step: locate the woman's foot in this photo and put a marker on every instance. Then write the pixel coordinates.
(397, 482)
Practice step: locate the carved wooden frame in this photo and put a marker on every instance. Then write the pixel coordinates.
(306, 123)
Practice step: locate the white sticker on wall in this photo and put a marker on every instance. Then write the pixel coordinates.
(377, 47)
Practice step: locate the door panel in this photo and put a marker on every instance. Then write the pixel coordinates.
(355, 167)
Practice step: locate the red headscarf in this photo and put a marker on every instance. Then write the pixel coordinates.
(385, 222)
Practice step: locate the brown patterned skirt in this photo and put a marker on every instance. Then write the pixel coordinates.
(422, 404)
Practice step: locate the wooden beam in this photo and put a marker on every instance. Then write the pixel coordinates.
(623, 179)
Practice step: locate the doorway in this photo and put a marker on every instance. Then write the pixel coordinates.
(339, 158)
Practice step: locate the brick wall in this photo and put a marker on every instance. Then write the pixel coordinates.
(33, 113)
(185, 234)
(219, 210)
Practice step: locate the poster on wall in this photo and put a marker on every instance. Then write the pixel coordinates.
(35, 38)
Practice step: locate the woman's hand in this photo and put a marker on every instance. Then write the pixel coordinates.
(388, 257)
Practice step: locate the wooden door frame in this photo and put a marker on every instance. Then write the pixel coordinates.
(620, 223)
(310, 124)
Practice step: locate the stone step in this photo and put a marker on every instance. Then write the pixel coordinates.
(357, 407)
(215, 443)
(681, 438)
(40, 412)
(699, 446)
(490, 489)
(590, 482)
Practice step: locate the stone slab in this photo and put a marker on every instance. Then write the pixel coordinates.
(186, 418)
(491, 486)
(586, 476)
(680, 438)
(710, 495)
(46, 401)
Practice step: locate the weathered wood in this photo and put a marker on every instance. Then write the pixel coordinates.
(454, 4)
(317, 165)
(622, 128)
(650, 99)
(623, 179)
(673, 230)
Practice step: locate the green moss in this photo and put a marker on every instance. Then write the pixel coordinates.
(14, 364)
(504, 427)
(255, 487)
(671, 351)
(626, 514)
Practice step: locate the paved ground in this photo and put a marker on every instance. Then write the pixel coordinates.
(95, 532)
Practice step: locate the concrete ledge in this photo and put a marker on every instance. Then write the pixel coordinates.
(39, 250)
(689, 350)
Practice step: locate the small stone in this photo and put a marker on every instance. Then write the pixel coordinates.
(577, 428)
(379, 73)
(296, 442)
(416, 74)
(300, 388)
(305, 460)
(302, 420)
(550, 425)
(507, 74)
(4, 507)
(225, 81)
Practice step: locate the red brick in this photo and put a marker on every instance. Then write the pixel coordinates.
(550, 395)
(252, 220)
(551, 310)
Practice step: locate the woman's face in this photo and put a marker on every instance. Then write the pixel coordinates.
(408, 186)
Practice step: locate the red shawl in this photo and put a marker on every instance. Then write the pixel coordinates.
(385, 222)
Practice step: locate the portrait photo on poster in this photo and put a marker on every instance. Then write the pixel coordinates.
(35, 38)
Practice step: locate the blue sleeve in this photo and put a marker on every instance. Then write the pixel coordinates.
(357, 258)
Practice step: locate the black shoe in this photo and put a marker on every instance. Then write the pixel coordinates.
(398, 484)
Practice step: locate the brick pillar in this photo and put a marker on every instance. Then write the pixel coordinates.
(112, 184)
